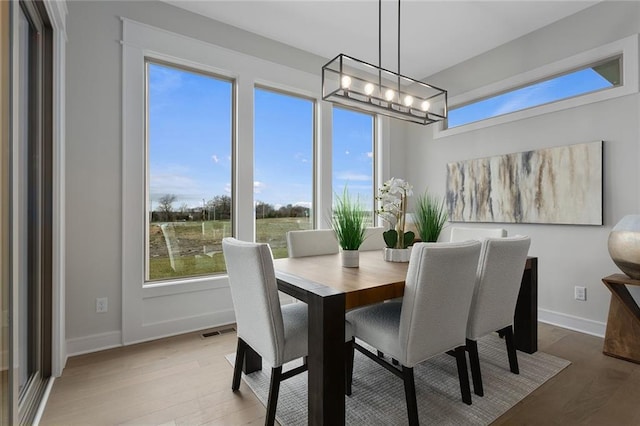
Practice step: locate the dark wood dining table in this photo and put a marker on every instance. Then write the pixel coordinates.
(329, 290)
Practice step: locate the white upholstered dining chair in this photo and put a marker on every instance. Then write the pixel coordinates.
(463, 234)
(430, 320)
(500, 269)
(312, 242)
(373, 239)
(278, 334)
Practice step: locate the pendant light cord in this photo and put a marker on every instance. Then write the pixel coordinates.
(399, 100)
(380, 46)
(398, 37)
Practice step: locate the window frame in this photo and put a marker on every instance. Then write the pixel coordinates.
(626, 48)
(150, 59)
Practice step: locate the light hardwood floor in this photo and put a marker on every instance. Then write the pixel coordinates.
(185, 380)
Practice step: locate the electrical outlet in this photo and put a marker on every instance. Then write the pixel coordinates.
(102, 304)
(580, 293)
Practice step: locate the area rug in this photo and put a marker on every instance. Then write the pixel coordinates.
(378, 396)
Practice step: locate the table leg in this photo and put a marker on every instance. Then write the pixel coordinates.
(525, 321)
(326, 359)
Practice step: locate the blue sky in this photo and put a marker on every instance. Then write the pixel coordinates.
(562, 87)
(190, 142)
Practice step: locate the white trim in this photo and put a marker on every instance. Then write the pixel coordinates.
(168, 288)
(571, 322)
(94, 343)
(57, 11)
(113, 339)
(628, 47)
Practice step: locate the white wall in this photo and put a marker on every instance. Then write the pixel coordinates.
(568, 255)
(93, 151)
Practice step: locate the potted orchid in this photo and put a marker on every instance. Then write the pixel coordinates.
(392, 207)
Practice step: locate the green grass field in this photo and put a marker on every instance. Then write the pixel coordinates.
(197, 249)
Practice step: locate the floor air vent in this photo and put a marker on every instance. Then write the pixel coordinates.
(217, 332)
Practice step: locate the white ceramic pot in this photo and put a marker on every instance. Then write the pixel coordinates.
(624, 245)
(397, 255)
(350, 258)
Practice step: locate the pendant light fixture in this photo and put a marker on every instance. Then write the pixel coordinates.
(351, 82)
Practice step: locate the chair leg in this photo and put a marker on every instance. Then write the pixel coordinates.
(511, 349)
(349, 366)
(274, 389)
(474, 360)
(410, 395)
(237, 368)
(463, 375)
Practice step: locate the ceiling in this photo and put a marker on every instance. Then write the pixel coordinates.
(434, 34)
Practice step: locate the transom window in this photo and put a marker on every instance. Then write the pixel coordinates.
(189, 140)
(602, 75)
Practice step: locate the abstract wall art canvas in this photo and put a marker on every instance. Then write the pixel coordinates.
(561, 185)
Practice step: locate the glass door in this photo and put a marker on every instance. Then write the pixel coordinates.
(31, 217)
(5, 35)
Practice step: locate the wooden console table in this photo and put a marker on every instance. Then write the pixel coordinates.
(622, 339)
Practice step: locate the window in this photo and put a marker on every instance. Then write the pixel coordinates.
(283, 166)
(353, 155)
(599, 76)
(189, 142)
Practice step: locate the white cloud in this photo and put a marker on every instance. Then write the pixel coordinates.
(300, 157)
(306, 204)
(215, 158)
(165, 79)
(351, 176)
(347, 152)
(369, 154)
(258, 187)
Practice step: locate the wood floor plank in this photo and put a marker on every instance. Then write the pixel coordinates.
(186, 380)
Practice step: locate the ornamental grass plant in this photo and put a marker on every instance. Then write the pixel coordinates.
(430, 216)
(349, 221)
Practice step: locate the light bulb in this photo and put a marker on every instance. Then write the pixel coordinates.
(346, 82)
(425, 105)
(408, 100)
(389, 94)
(368, 88)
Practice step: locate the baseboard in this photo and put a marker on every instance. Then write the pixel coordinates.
(583, 325)
(152, 331)
(93, 343)
(169, 328)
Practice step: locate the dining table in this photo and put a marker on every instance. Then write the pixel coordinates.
(330, 290)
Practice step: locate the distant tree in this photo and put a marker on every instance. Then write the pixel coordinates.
(165, 206)
(299, 211)
(264, 210)
(219, 207)
(184, 208)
